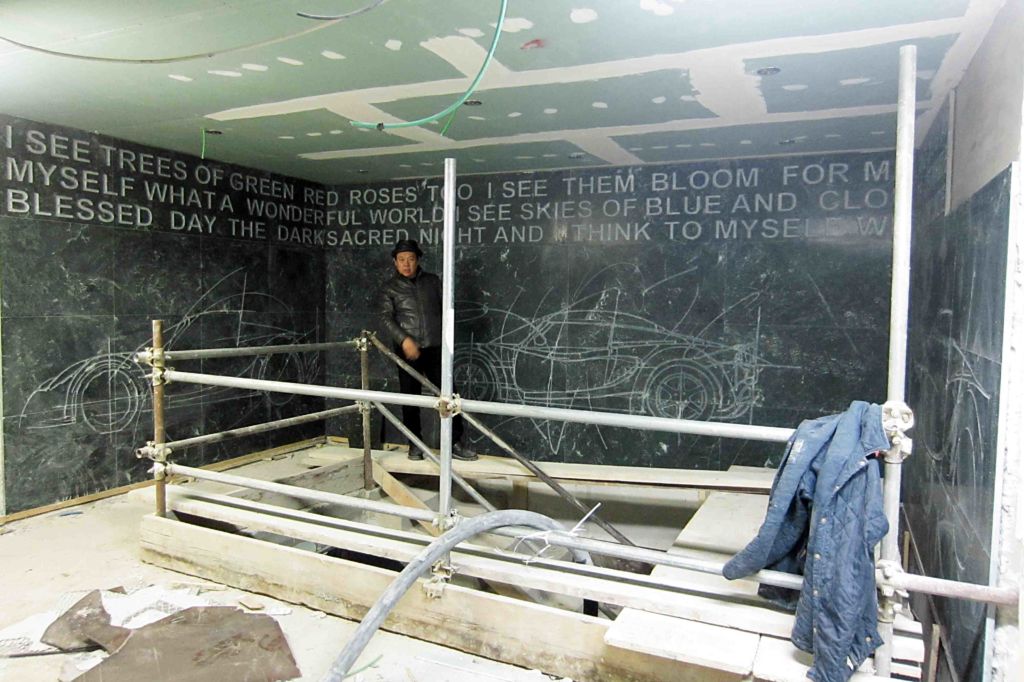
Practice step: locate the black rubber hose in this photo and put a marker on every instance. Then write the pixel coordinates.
(465, 529)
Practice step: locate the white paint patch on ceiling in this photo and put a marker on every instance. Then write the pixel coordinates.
(658, 7)
(335, 132)
(551, 110)
(658, 100)
(795, 87)
(583, 15)
(179, 77)
(600, 105)
(394, 45)
(515, 25)
(331, 54)
(514, 114)
(226, 74)
(854, 81)
(466, 56)
(289, 61)
(286, 137)
(746, 142)
(472, 32)
(313, 134)
(255, 67)
(477, 118)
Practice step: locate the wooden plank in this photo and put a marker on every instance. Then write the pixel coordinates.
(684, 640)
(779, 661)
(488, 467)
(558, 577)
(401, 494)
(722, 526)
(531, 635)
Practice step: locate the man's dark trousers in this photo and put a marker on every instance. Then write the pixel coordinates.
(429, 365)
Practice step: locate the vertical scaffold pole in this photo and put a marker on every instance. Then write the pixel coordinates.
(363, 345)
(159, 434)
(906, 110)
(447, 337)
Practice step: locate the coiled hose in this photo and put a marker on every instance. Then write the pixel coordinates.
(466, 529)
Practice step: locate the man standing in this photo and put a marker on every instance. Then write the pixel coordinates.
(410, 311)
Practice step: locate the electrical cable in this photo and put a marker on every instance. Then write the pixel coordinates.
(200, 55)
(457, 103)
(347, 15)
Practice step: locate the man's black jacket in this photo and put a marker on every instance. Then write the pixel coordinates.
(411, 307)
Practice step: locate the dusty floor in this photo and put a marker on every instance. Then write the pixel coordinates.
(93, 546)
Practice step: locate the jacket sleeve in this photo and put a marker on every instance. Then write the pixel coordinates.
(388, 326)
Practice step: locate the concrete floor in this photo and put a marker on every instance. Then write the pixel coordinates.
(94, 546)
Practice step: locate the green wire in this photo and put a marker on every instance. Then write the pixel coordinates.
(365, 667)
(202, 152)
(457, 103)
(449, 123)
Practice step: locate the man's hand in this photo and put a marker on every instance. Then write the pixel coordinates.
(410, 348)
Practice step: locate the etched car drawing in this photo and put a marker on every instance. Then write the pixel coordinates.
(108, 392)
(618, 360)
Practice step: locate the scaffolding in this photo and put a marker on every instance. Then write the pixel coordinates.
(892, 581)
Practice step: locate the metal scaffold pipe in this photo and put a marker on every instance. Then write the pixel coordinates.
(447, 333)
(418, 443)
(301, 389)
(632, 421)
(898, 321)
(244, 351)
(500, 442)
(301, 493)
(175, 445)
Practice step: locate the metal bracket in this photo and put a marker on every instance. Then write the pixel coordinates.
(159, 471)
(892, 597)
(365, 407)
(362, 343)
(897, 419)
(441, 575)
(157, 378)
(144, 357)
(446, 523)
(157, 453)
(449, 408)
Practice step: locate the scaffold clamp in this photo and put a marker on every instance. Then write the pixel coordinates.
(450, 407)
(897, 419)
(441, 575)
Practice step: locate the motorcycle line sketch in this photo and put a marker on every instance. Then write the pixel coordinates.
(107, 393)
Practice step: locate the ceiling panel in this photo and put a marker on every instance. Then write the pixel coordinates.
(595, 75)
(627, 100)
(852, 134)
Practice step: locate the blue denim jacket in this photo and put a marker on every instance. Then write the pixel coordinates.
(824, 518)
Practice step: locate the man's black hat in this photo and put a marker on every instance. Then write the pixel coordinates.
(404, 245)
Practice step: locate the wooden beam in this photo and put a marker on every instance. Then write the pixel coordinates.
(502, 467)
(401, 494)
(519, 632)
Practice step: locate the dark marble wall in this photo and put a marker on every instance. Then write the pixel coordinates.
(90, 253)
(750, 291)
(955, 346)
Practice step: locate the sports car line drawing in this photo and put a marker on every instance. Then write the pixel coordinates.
(585, 354)
(108, 392)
